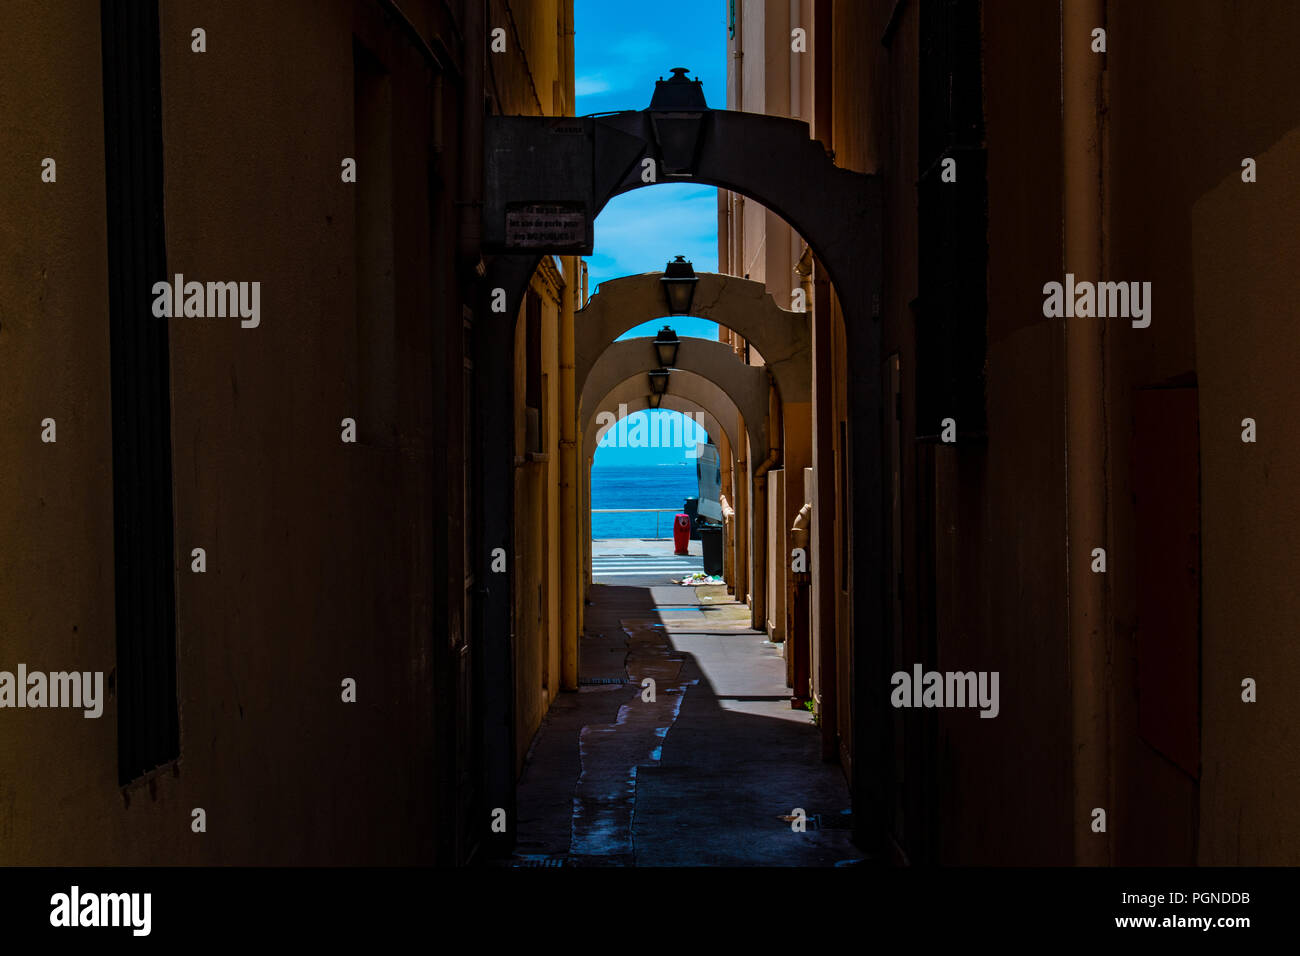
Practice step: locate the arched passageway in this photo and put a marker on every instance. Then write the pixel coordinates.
(690, 393)
(632, 359)
(596, 158)
(781, 336)
(665, 432)
(782, 339)
(694, 396)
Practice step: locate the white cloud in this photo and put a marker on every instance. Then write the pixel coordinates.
(642, 230)
(590, 85)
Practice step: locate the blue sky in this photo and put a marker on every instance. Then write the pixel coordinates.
(616, 448)
(620, 49)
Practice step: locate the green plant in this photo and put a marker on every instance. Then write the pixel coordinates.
(811, 707)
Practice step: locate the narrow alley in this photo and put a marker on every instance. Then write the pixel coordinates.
(473, 437)
(707, 773)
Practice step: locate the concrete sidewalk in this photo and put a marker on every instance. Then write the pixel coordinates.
(705, 774)
(603, 547)
(643, 562)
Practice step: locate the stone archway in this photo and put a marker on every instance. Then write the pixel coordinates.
(746, 385)
(574, 166)
(746, 306)
(709, 368)
(700, 397)
(691, 393)
(781, 336)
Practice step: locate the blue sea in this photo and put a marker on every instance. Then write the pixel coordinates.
(640, 486)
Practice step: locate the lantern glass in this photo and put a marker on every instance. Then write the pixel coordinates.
(679, 285)
(676, 113)
(678, 135)
(659, 381)
(666, 343)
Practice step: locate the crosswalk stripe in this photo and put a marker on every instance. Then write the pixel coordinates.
(630, 574)
(678, 571)
(633, 559)
(647, 557)
(635, 568)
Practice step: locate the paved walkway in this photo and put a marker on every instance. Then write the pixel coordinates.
(706, 773)
(642, 561)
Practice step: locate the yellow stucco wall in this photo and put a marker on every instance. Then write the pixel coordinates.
(56, 525)
(302, 531)
(538, 81)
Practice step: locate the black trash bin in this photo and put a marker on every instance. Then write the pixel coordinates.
(692, 508)
(711, 543)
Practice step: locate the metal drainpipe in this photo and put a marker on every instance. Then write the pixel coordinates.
(742, 485)
(584, 468)
(758, 514)
(470, 202)
(1082, 111)
(796, 62)
(570, 559)
(728, 549)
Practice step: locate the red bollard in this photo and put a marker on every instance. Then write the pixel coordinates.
(682, 534)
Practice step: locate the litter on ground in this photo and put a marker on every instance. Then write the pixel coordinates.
(699, 577)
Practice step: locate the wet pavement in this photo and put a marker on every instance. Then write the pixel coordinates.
(705, 774)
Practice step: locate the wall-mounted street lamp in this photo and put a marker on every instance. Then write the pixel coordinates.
(666, 343)
(659, 381)
(678, 283)
(654, 400)
(676, 113)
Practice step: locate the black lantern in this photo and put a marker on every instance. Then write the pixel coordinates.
(679, 286)
(676, 113)
(666, 343)
(659, 381)
(654, 400)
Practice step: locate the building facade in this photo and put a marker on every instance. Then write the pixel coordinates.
(244, 327)
(1083, 502)
(254, 523)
